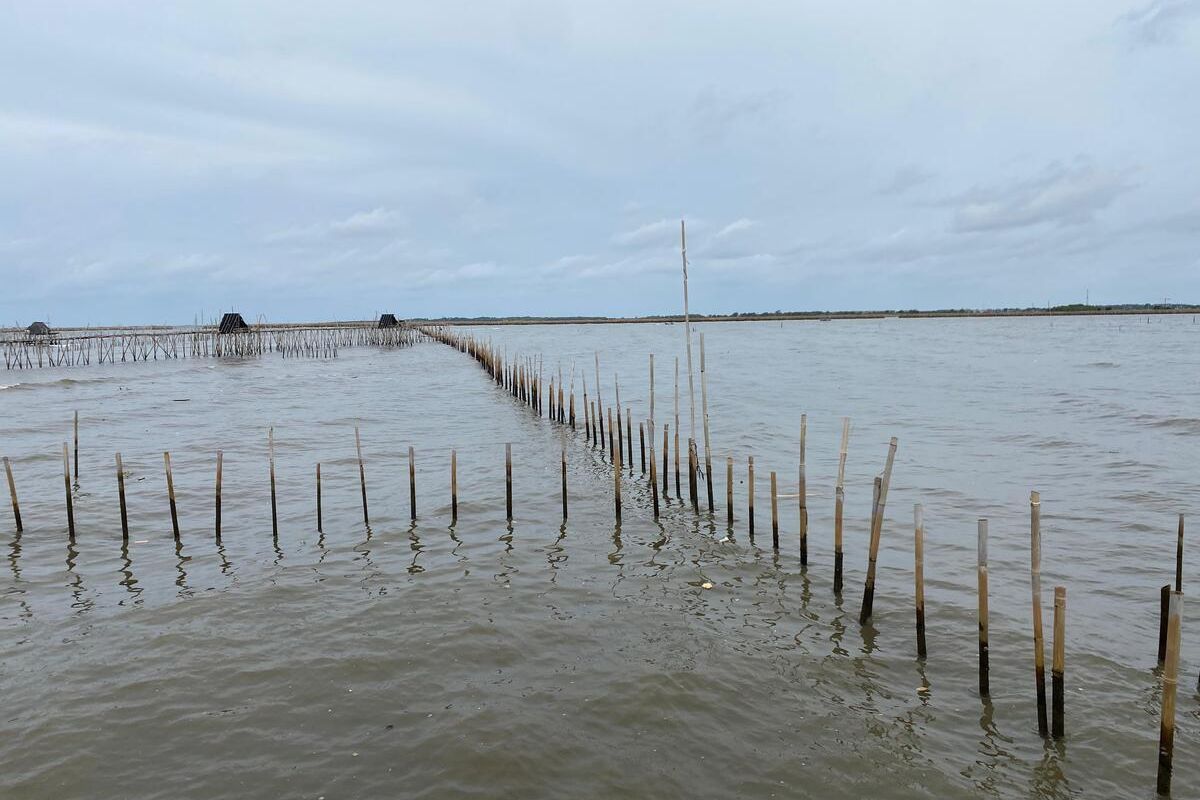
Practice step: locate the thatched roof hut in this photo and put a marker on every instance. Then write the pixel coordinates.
(388, 321)
(39, 329)
(232, 323)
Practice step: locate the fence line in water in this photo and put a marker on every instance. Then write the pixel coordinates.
(317, 341)
(524, 379)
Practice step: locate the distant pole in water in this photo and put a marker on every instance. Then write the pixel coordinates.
(839, 500)
(1166, 736)
(271, 454)
(803, 490)
(76, 445)
(564, 480)
(876, 531)
(320, 525)
(1035, 580)
(678, 494)
(642, 444)
(919, 575)
(616, 476)
(613, 434)
(453, 486)
(693, 491)
(599, 404)
(12, 493)
(362, 474)
(982, 572)
(217, 497)
(687, 329)
(1179, 557)
(774, 513)
(653, 470)
(412, 483)
(121, 498)
(628, 456)
(666, 440)
(508, 481)
(704, 414)
(1058, 663)
(171, 494)
(67, 486)
(750, 495)
(729, 492)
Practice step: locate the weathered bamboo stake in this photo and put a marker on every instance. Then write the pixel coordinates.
(320, 522)
(171, 494)
(508, 481)
(803, 490)
(564, 480)
(587, 422)
(595, 431)
(838, 506)
(217, 497)
(1035, 580)
(687, 330)
(729, 492)
(1166, 735)
(612, 448)
(121, 498)
(12, 493)
(665, 479)
(693, 491)
(678, 494)
(599, 404)
(750, 495)
(653, 471)
(876, 531)
(982, 571)
(412, 483)
(1164, 616)
(1058, 664)
(67, 486)
(76, 445)
(1179, 558)
(707, 440)
(274, 508)
(642, 445)
(454, 486)
(919, 575)
(617, 476)
(774, 513)
(627, 456)
(362, 474)
(620, 451)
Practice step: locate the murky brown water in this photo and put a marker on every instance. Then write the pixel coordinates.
(543, 659)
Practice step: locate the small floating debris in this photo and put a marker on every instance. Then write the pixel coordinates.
(706, 585)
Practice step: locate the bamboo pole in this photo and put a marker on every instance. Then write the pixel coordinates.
(217, 496)
(729, 492)
(687, 330)
(508, 481)
(121, 498)
(653, 470)
(616, 432)
(774, 513)
(693, 460)
(678, 494)
(642, 445)
(1058, 663)
(982, 572)
(76, 445)
(803, 491)
(67, 486)
(599, 405)
(666, 440)
(274, 508)
(171, 494)
(1035, 580)
(12, 494)
(876, 531)
(750, 494)
(704, 413)
(612, 437)
(454, 486)
(617, 479)
(564, 480)
(1179, 557)
(1164, 617)
(1166, 736)
(627, 456)
(839, 505)
(320, 521)
(919, 575)
(362, 474)
(412, 483)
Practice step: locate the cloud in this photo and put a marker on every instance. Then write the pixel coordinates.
(907, 177)
(662, 233)
(1159, 22)
(377, 220)
(1060, 195)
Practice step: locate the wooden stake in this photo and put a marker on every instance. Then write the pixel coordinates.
(617, 478)
(839, 504)
(67, 486)
(774, 513)
(693, 462)
(171, 494)
(653, 471)
(508, 481)
(362, 474)
(678, 494)
(803, 494)
(919, 574)
(729, 492)
(1166, 735)
(627, 456)
(665, 479)
(982, 570)
(1164, 617)
(876, 531)
(1035, 580)
(121, 497)
(750, 494)
(1179, 558)
(217, 504)
(12, 493)
(274, 508)
(564, 480)
(642, 445)
(704, 412)
(320, 522)
(1058, 662)
(453, 485)
(76, 445)
(412, 482)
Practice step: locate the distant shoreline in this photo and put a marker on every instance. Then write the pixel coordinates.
(794, 316)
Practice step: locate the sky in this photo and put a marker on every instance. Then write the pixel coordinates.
(163, 162)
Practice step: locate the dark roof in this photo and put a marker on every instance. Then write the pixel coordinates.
(231, 323)
(39, 329)
(388, 321)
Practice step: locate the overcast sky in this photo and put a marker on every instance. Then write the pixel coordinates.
(320, 161)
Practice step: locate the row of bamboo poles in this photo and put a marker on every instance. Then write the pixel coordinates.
(202, 342)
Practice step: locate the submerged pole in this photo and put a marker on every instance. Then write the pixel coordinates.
(1035, 580)
(320, 522)
(919, 575)
(1166, 735)
(412, 482)
(982, 571)
(12, 494)
(217, 497)
(67, 486)
(171, 494)
(362, 474)
(1058, 664)
(803, 490)
(274, 508)
(453, 486)
(121, 498)
(508, 481)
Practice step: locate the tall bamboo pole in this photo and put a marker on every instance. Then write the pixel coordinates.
(1035, 580)
(707, 441)
(803, 491)
(919, 575)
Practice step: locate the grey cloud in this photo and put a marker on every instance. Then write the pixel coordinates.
(1160, 21)
(1059, 195)
(907, 177)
